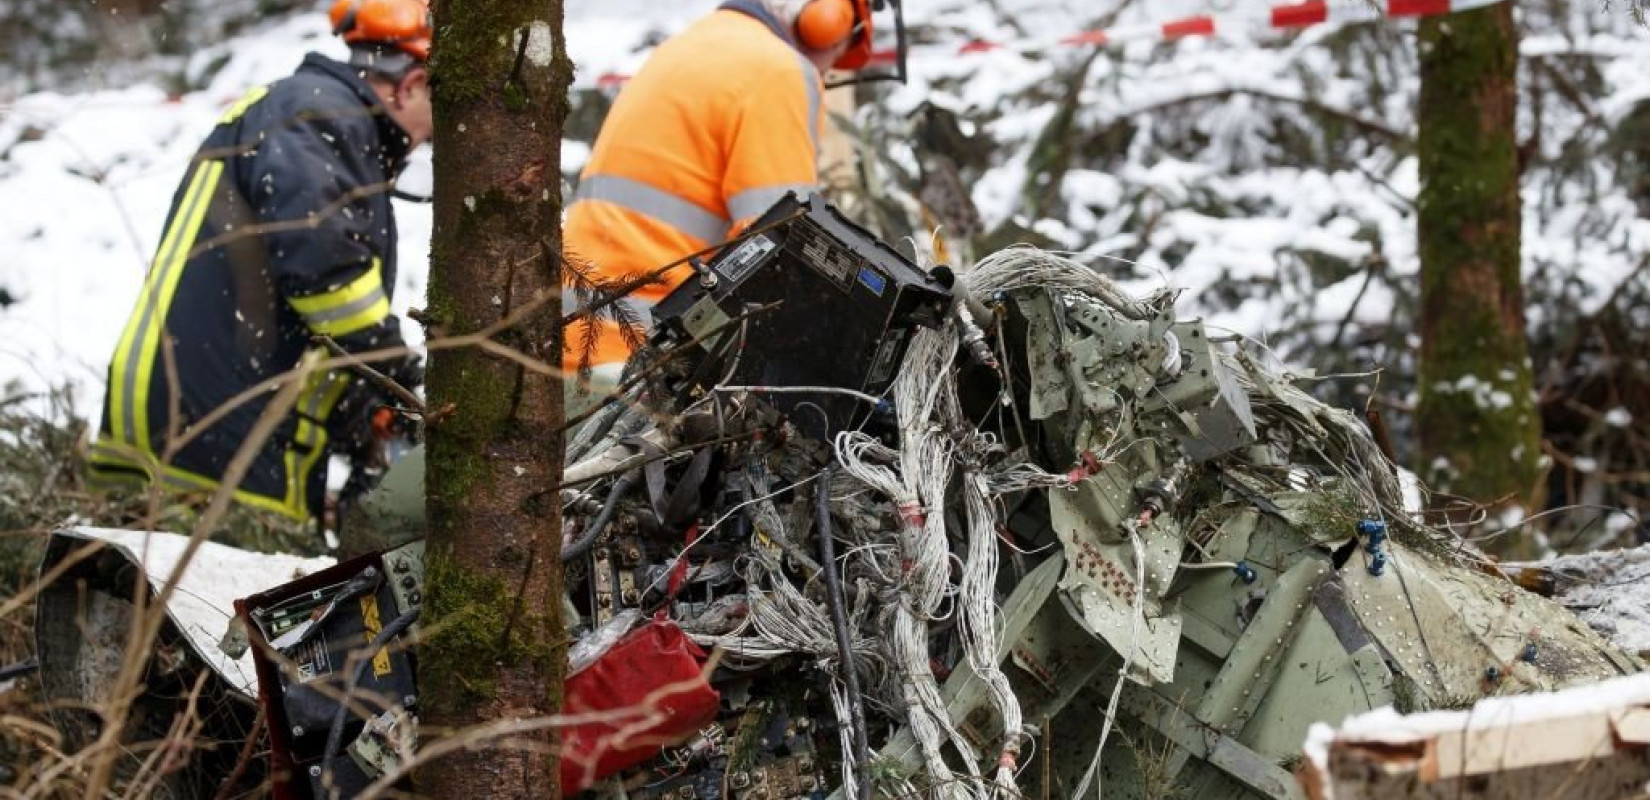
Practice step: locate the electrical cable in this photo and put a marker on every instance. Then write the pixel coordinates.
(584, 542)
(833, 596)
(335, 733)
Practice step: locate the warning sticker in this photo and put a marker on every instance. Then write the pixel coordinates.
(371, 621)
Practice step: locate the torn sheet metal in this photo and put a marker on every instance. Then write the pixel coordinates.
(201, 607)
(1094, 549)
(1458, 632)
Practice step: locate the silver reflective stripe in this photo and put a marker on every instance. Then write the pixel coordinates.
(752, 202)
(656, 203)
(346, 310)
(810, 79)
(640, 309)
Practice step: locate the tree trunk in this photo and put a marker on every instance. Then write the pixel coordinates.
(496, 649)
(1480, 434)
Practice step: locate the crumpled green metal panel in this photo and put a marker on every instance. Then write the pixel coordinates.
(1461, 634)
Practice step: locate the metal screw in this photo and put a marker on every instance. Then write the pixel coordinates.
(315, 771)
(297, 730)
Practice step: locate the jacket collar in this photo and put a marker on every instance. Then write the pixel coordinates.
(759, 11)
(391, 136)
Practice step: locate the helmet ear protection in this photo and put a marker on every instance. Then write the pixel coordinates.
(824, 24)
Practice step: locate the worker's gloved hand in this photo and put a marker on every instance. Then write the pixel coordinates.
(350, 428)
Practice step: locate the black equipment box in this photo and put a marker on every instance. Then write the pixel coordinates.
(311, 647)
(848, 305)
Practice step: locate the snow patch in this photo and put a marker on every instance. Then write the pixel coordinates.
(541, 44)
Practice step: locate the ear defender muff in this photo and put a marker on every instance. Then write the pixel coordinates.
(825, 23)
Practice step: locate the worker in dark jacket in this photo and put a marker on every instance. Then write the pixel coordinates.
(282, 230)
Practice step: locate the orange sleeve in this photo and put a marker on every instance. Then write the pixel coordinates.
(774, 147)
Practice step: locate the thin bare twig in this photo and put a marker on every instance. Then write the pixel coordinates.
(373, 376)
(149, 620)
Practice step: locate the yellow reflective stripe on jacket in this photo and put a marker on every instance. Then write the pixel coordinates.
(358, 305)
(138, 470)
(134, 361)
(320, 396)
(240, 106)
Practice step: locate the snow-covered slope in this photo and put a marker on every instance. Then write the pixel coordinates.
(1198, 164)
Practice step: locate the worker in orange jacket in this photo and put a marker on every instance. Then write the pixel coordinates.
(721, 122)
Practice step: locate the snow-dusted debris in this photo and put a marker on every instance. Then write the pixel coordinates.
(1588, 741)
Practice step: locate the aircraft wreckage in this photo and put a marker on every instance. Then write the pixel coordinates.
(1006, 530)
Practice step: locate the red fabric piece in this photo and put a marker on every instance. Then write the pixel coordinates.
(1190, 26)
(1417, 8)
(654, 669)
(1300, 15)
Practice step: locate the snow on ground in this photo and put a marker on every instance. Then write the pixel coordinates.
(85, 179)
(1610, 590)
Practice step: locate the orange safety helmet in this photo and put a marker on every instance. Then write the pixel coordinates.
(404, 24)
(825, 23)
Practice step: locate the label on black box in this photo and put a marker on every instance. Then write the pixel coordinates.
(873, 280)
(835, 264)
(311, 659)
(744, 258)
(887, 357)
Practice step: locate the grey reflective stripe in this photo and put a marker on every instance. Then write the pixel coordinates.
(346, 310)
(310, 405)
(810, 79)
(163, 261)
(656, 203)
(752, 202)
(640, 309)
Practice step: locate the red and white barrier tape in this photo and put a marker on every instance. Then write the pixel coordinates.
(1275, 18)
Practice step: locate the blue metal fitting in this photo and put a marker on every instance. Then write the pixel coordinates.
(1529, 653)
(1373, 531)
(1245, 572)
(1377, 563)
(1493, 674)
(884, 407)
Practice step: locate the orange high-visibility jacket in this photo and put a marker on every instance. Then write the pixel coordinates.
(720, 123)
